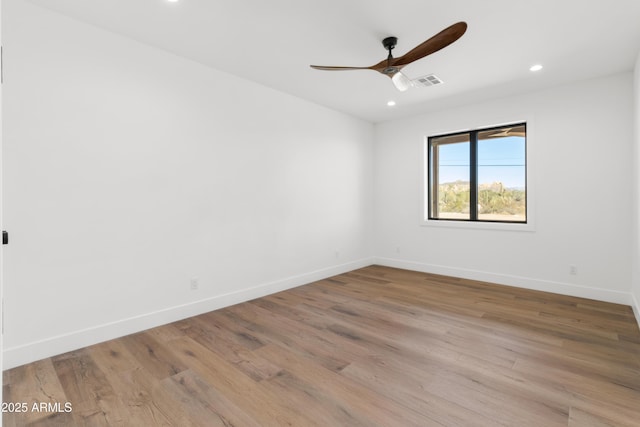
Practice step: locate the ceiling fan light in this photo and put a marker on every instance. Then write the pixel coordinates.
(401, 82)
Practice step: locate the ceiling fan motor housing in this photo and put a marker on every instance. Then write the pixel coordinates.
(389, 71)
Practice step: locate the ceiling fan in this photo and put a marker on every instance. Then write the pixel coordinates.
(391, 66)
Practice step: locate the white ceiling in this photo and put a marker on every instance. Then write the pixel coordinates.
(274, 42)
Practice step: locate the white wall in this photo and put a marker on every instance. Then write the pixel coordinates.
(129, 171)
(580, 163)
(635, 289)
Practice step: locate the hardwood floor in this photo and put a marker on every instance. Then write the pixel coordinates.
(374, 347)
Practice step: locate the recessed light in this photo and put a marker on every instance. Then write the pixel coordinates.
(172, 1)
(536, 67)
(391, 103)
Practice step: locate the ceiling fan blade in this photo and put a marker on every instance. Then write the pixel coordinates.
(441, 40)
(329, 68)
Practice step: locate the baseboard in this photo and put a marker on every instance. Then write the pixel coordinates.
(635, 305)
(512, 280)
(20, 355)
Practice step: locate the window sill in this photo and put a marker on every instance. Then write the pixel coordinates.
(477, 225)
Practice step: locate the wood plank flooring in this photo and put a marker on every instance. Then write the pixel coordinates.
(374, 347)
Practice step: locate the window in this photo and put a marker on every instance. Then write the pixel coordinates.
(478, 175)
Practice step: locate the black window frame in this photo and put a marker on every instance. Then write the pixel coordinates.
(473, 175)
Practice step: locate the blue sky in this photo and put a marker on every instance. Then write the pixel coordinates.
(499, 159)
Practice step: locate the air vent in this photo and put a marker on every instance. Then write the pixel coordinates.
(429, 80)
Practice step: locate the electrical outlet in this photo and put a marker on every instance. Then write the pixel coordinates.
(573, 270)
(337, 254)
(195, 284)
